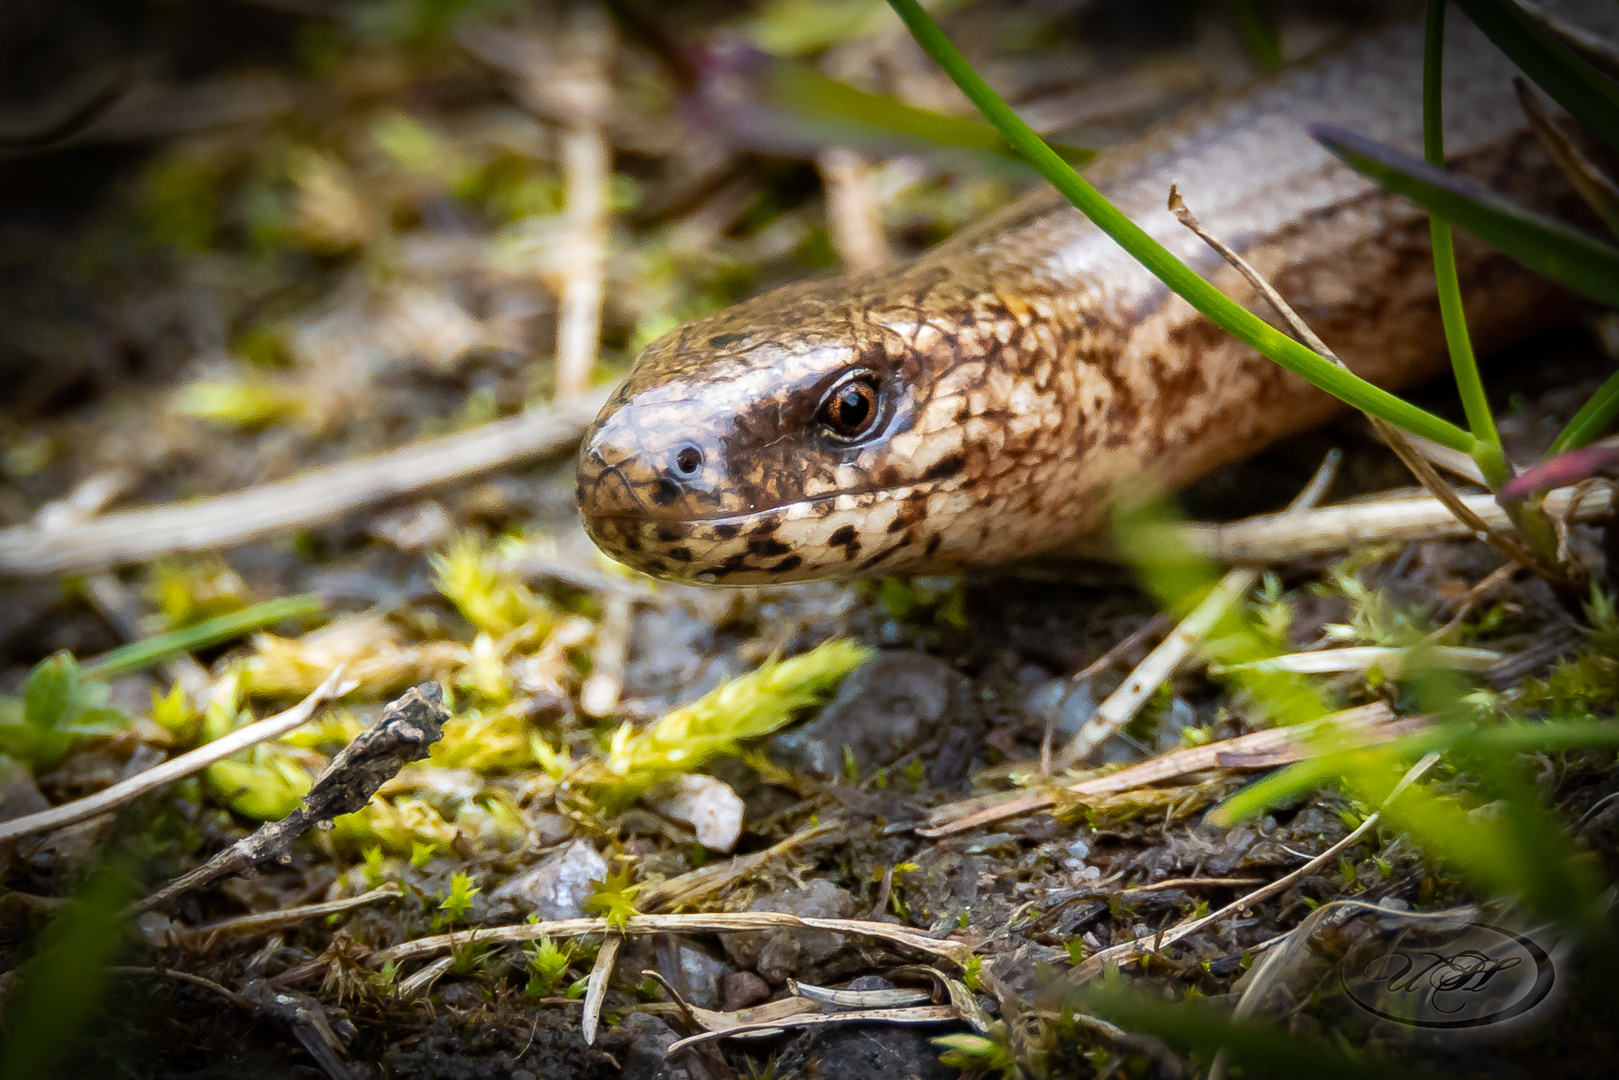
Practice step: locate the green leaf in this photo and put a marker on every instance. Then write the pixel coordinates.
(1583, 263)
(48, 696)
(59, 707)
(1574, 84)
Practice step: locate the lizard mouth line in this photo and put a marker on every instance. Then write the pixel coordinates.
(651, 518)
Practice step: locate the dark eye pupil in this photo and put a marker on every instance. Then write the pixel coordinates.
(853, 407)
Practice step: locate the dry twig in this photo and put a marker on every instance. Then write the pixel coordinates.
(409, 725)
(1258, 749)
(1396, 519)
(583, 94)
(313, 498)
(178, 768)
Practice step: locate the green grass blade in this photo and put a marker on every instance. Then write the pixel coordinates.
(1490, 457)
(1583, 263)
(1592, 419)
(1220, 309)
(1259, 33)
(1572, 83)
(853, 113)
(143, 654)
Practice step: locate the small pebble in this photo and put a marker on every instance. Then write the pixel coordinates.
(707, 804)
(744, 988)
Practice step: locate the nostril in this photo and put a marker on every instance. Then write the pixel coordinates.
(689, 460)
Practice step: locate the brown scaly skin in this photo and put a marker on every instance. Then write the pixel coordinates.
(1027, 369)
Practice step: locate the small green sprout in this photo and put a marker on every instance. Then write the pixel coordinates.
(613, 899)
(978, 1053)
(961, 918)
(59, 707)
(455, 905)
(548, 966)
(971, 972)
(173, 713)
(914, 773)
(373, 867)
(470, 956)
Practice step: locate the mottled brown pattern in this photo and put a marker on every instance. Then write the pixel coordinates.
(1029, 368)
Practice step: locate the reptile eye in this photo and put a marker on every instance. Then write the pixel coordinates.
(850, 409)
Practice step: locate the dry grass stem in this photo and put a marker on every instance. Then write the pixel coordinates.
(858, 999)
(1398, 519)
(596, 986)
(314, 498)
(423, 980)
(1392, 662)
(1122, 705)
(853, 218)
(1153, 626)
(206, 936)
(185, 976)
(720, 922)
(1492, 581)
(584, 94)
(925, 1014)
(1192, 883)
(1272, 746)
(334, 686)
(706, 881)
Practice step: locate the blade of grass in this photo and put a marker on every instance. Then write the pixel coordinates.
(1571, 82)
(1583, 263)
(1259, 34)
(1220, 309)
(1594, 416)
(60, 986)
(818, 99)
(1491, 459)
(143, 654)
